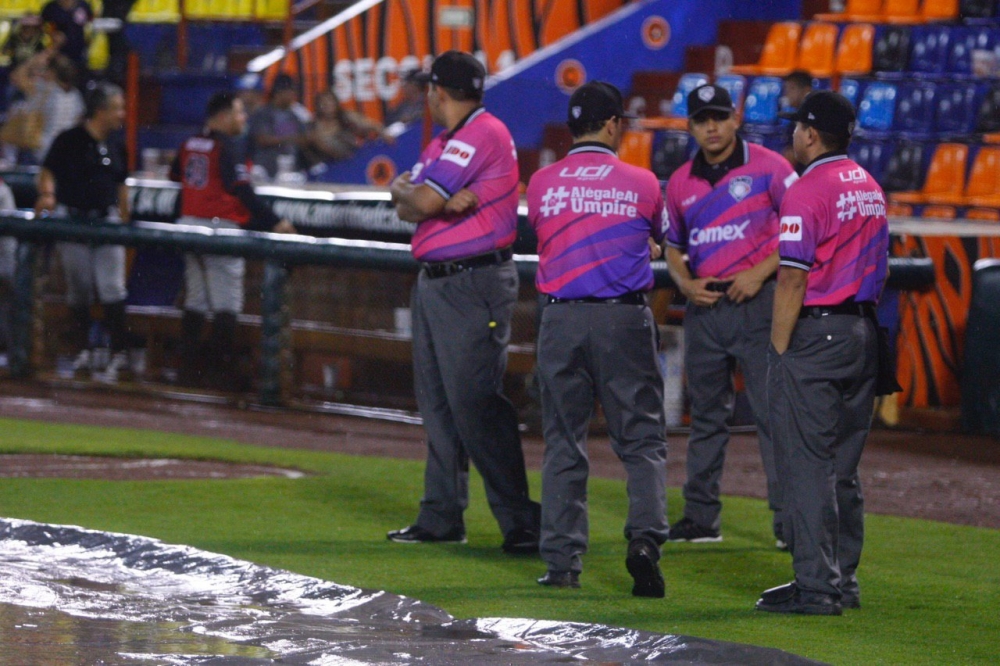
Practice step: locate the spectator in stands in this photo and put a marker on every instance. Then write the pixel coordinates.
(68, 21)
(117, 43)
(337, 132)
(83, 176)
(277, 133)
(250, 90)
(8, 247)
(25, 40)
(412, 100)
(51, 89)
(795, 86)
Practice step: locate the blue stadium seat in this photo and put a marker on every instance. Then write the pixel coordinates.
(988, 113)
(773, 138)
(891, 53)
(872, 155)
(955, 110)
(671, 149)
(877, 108)
(735, 85)
(763, 97)
(852, 89)
(915, 109)
(964, 42)
(930, 49)
(978, 11)
(688, 82)
(907, 166)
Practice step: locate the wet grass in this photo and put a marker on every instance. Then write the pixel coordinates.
(930, 591)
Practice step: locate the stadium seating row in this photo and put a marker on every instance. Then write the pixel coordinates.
(168, 11)
(826, 50)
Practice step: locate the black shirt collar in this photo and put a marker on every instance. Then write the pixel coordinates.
(830, 156)
(713, 173)
(591, 147)
(466, 120)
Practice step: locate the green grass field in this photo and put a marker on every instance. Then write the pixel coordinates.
(930, 591)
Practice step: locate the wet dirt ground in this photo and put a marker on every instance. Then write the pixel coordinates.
(938, 476)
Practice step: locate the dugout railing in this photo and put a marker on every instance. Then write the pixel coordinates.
(275, 330)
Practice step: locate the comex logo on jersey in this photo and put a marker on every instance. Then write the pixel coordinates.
(717, 234)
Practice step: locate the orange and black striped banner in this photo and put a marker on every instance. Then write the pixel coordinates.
(363, 58)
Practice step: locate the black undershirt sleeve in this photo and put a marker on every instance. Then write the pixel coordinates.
(234, 181)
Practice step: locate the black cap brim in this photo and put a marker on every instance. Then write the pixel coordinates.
(790, 115)
(713, 107)
(422, 78)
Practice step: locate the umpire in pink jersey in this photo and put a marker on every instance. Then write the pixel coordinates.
(823, 361)
(723, 208)
(463, 195)
(598, 221)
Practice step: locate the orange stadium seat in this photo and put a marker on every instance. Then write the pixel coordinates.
(898, 210)
(901, 11)
(983, 214)
(945, 182)
(854, 53)
(940, 212)
(637, 148)
(939, 10)
(781, 50)
(819, 41)
(913, 11)
(983, 188)
(855, 10)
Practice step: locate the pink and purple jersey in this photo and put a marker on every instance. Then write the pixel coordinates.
(833, 225)
(480, 156)
(732, 226)
(594, 216)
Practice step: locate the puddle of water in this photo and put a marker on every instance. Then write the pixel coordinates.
(74, 596)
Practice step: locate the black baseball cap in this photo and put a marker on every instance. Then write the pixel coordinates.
(707, 97)
(827, 111)
(457, 70)
(595, 102)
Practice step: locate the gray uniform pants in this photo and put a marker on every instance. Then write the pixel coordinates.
(607, 351)
(213, 283)
(821, 393)
(715, 339)
(461, 327)
(93, 269)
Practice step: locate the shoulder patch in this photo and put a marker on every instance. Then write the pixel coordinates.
(458, 152)
(791, 228)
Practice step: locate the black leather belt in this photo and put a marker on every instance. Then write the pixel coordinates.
(723, 287)
(847, 308)
(631, 298)
(719, 286)
(440, 269)
(89, 213)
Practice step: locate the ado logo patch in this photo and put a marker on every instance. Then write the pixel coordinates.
(791, 228)
(458, 152)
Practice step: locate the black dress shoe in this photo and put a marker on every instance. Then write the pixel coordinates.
(417, 534)
(642, 563)
(783, 593)
(790, 599)
(560, 579)
(520, 542)
(850, 599)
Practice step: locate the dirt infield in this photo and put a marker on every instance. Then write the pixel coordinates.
(946, 477)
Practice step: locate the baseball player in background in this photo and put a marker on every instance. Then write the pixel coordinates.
(823, 361)
(8, 263)
(216, 193)
(598, 221)
(83, 176)
(723, 209)
(463, 195)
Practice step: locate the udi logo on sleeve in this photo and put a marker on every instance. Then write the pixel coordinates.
(458, 152)
(791, 228)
